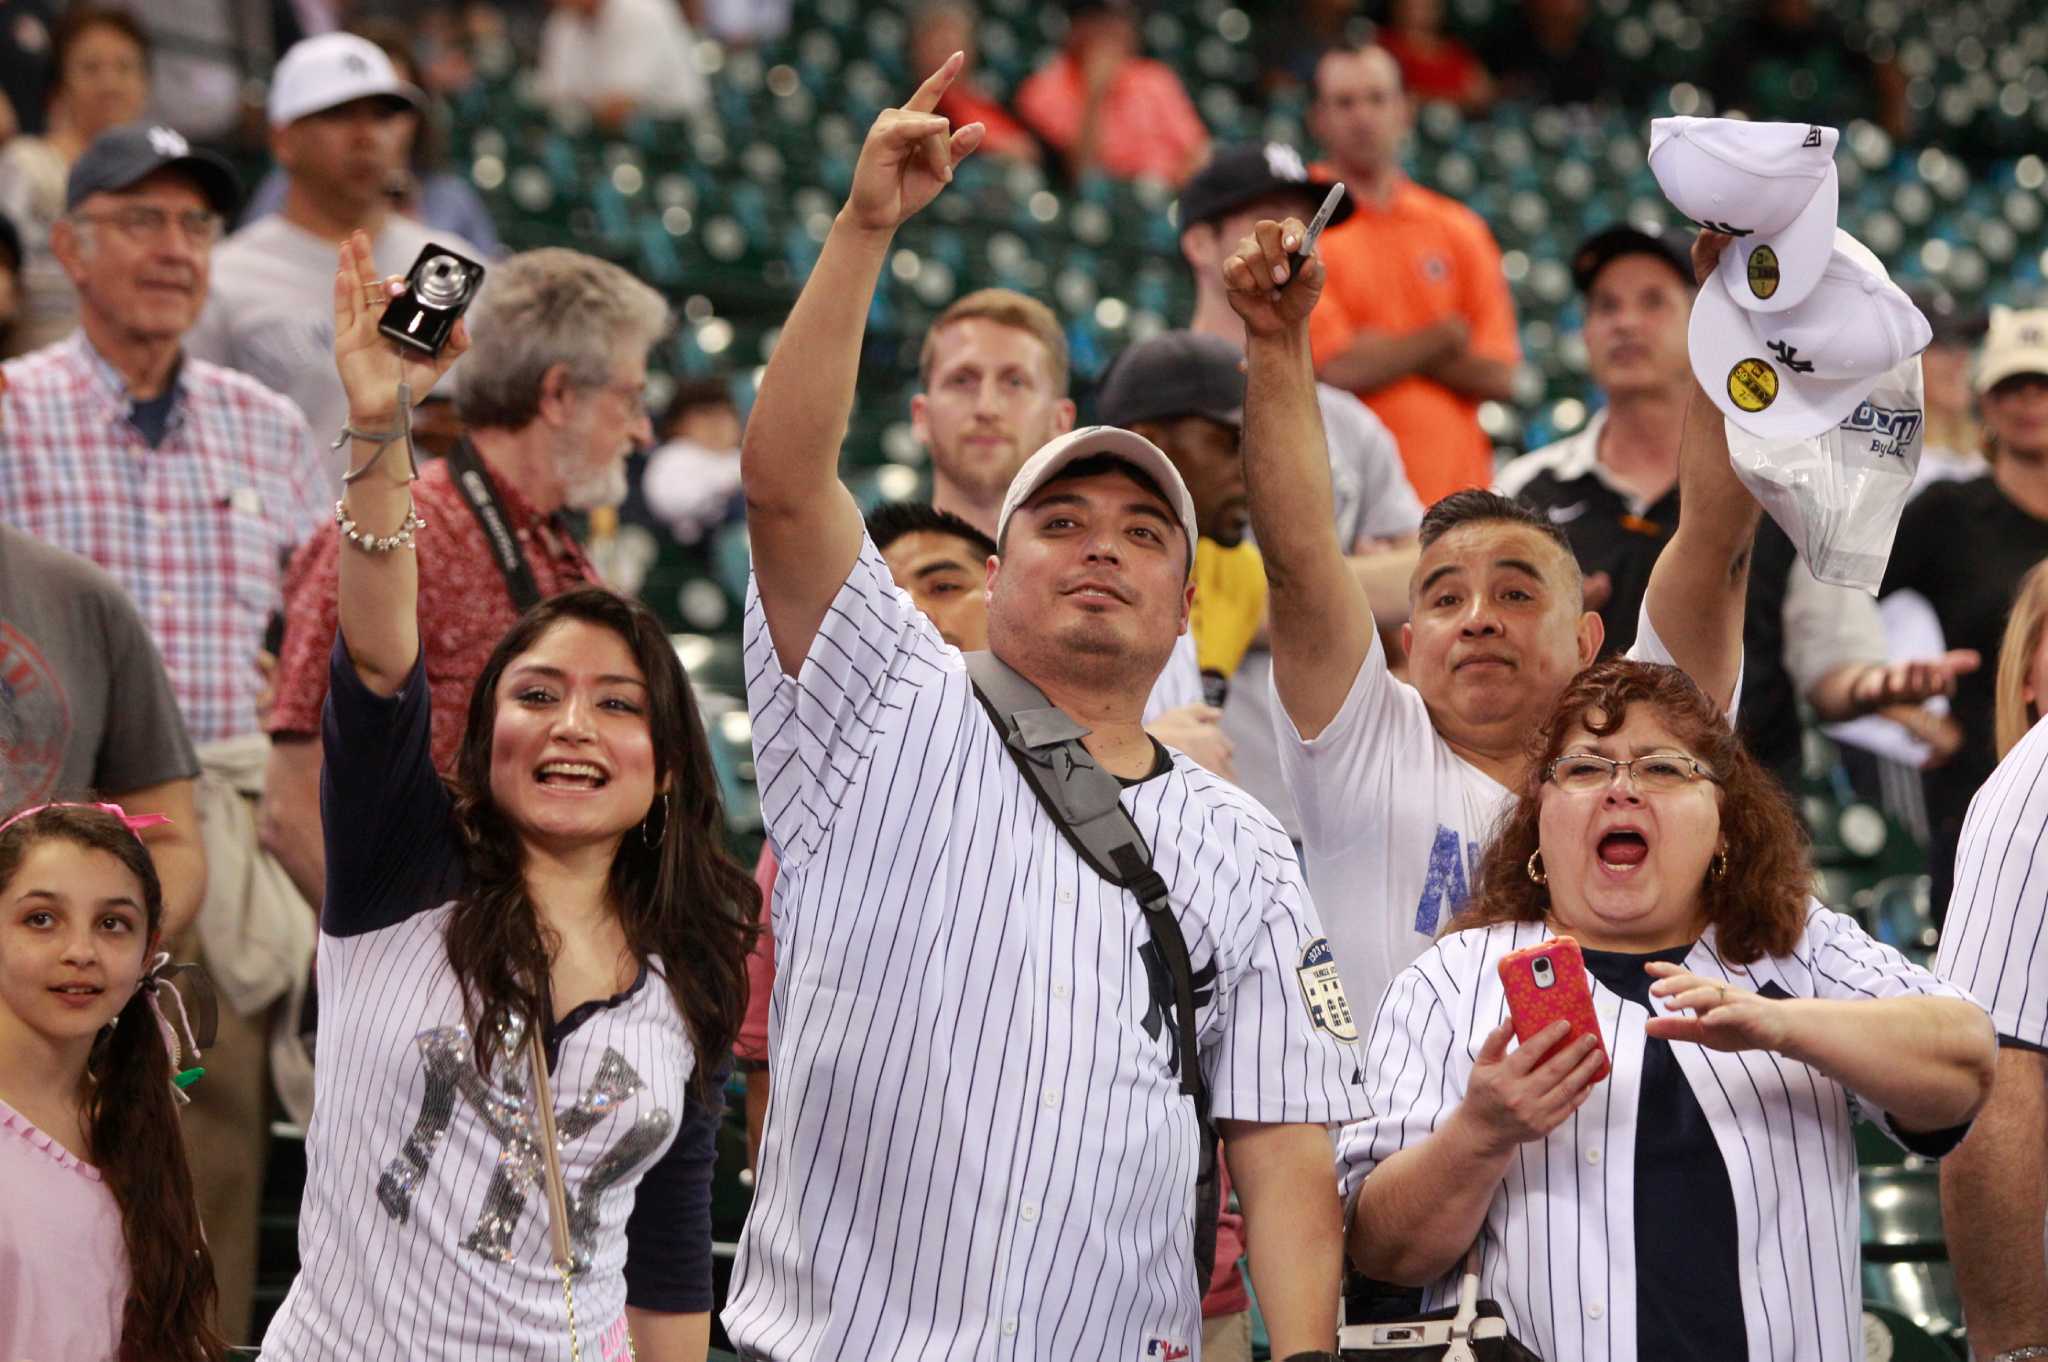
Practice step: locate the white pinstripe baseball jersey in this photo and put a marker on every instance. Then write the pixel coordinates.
(1995, 939)
(1392, 819)
(1558, 1242)
(977, 1146)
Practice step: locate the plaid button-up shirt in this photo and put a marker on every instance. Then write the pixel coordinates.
(196, 529)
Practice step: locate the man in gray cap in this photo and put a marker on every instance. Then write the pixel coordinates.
(337, 129)
(188, 484)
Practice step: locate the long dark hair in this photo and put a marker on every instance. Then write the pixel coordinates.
(683, 899)
(1757, 906)
(132, 1122)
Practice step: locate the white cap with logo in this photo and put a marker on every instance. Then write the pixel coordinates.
(1771, 186)
(2017, 343)
(1795, 374)
(1056, 454)
(333, 69)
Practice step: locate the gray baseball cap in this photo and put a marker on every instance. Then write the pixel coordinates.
(121, 157)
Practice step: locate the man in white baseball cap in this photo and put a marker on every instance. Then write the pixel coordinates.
(1771, 186)
(1116, 450)
(1796, 374)
(338, 113)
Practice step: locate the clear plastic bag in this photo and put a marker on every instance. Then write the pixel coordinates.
(1839, 495)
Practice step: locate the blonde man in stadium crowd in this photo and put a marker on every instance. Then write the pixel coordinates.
(1994, 1187)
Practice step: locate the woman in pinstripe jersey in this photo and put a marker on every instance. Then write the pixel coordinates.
(1701, 1202)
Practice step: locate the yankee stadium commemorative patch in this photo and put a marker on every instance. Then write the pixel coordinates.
(1323, 991)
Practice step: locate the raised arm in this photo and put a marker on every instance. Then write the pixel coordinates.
(379, 592)
(1319, 619)
(1700, 584)
(803, 523)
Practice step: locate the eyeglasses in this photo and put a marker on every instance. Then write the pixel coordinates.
(634, 395)
(1584, 772)
(145, 222)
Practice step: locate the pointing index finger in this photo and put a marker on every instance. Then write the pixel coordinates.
(935, 85)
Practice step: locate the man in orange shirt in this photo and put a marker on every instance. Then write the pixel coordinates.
(1415, 317)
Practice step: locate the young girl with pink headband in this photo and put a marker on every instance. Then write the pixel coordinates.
(101, 1253)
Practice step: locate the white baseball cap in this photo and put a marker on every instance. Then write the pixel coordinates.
(331, 70)
(1056, 454)
(1771, 186)
(2017, 343)
(1798, 373)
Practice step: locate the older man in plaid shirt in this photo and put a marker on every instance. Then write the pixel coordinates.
(189, 484)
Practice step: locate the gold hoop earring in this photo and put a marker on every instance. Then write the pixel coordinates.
(1535, 867)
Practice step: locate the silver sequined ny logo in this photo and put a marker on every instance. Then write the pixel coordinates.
(447, 1056)
(168, 142)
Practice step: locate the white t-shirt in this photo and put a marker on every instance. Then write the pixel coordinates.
(640, 48)
(270, 311)
(1392, 820)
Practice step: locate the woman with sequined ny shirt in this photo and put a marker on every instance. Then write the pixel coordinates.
(560, 920)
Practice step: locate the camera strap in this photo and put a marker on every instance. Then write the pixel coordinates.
(478, 493)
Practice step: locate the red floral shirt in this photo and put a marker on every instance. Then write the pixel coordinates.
(465, 606)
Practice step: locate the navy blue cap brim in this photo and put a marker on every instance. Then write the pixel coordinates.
(217, 181)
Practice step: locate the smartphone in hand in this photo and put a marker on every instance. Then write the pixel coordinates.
(1547, 982)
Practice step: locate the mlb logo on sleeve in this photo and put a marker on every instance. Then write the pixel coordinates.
(1165, 1350)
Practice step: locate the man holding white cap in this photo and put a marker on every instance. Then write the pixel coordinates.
(979, 1142)
(1965, 545)
(336, 128)
(1613, 488)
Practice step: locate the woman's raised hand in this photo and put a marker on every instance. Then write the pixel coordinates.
(371, 365)
(1518, 1095)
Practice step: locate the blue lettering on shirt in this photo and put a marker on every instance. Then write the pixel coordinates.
(1446, 886)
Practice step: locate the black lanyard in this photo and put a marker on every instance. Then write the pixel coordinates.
(477, 492)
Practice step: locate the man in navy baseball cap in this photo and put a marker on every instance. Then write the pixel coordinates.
(121, 158)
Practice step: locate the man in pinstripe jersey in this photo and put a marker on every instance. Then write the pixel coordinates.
(977, 1145)
(1994, 1187)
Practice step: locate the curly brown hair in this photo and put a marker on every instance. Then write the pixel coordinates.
(1757, 907)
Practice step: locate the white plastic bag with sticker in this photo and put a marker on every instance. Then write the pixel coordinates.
(1838, 496)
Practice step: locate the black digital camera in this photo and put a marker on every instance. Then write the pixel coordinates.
(439, 287)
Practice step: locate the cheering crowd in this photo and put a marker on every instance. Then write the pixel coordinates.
(1162, 820)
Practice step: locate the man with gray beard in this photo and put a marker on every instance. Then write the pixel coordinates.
(551, 401)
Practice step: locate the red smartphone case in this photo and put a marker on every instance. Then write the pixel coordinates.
(1569, 995)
